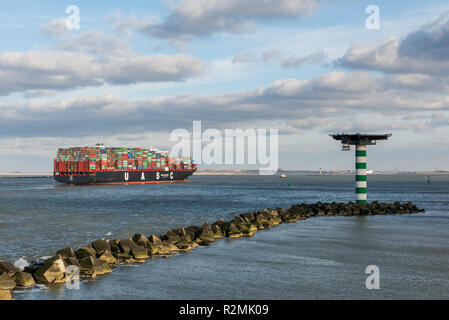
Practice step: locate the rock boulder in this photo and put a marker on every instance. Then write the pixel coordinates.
(52, 271)
(24, 279)
(83, 252)
(66, 253)
(136, 251)
(8, 267)
(5, 295)
(233, 231)
(171, 236)
(141, 240)
(155, 239)
(91, 267)
(108, 258)
(101, 246)
(6, 282)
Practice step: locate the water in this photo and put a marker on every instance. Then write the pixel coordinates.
(319, 258)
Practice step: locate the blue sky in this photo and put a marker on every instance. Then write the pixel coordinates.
(135, 71)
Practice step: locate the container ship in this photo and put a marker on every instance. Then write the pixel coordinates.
(101, 165)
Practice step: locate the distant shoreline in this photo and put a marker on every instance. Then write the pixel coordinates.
(25, 174)
(244, 172)
(317, 173)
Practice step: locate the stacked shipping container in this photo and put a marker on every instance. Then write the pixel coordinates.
(100, 158)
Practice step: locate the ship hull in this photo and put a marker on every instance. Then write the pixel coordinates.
(125, 177)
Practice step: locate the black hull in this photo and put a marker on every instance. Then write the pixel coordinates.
(123, 177)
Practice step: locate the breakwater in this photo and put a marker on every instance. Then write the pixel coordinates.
(101, 256)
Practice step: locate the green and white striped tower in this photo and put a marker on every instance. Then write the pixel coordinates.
(360, 141)
(360, 173)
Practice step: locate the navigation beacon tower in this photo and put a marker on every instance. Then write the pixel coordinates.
(360, 141)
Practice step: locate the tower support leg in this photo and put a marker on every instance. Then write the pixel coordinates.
(360, 173)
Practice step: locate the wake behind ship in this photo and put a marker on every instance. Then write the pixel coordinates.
(101, 165)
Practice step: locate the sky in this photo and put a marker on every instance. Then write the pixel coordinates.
(135, 71)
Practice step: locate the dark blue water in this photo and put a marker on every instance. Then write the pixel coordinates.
(319, 258)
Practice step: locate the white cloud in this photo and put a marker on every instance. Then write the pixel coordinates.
(48, 145)
(97, 43)
(249, 57)
(91, 42)
(29, 94)
(244, 57)
(270, 54)
(56, 70)
(55, 28)
(424, 51)
(323, 101)
(199, 18)
(296, 61)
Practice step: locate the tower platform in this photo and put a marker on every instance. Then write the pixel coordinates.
(360, 140)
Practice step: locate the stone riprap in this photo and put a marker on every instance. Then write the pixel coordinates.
(102, 256)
